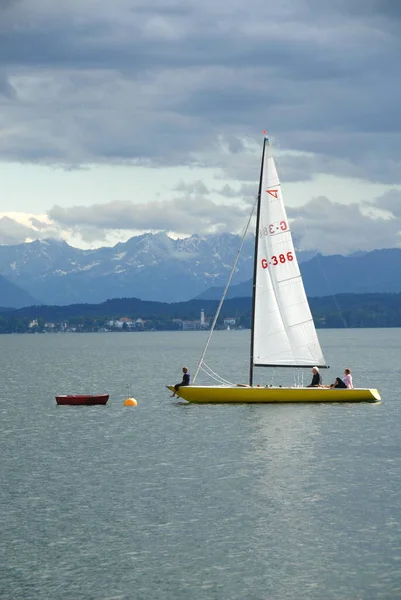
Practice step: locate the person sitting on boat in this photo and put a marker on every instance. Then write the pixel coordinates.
(338, 383)
(316, 379)
(348, 379)
(186, 379)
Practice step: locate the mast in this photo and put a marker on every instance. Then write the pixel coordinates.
(255, 260)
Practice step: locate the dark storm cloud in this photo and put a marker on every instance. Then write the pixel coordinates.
(171, 83)
(196, 214)
(12, 232)
(244, 191)
(347, 228)
(195, 187)
(387, 8)
(7, 3)
(6, 89)
(390, 202)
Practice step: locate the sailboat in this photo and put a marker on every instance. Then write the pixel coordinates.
(283, 333)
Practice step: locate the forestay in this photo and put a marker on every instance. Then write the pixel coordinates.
(284, 332)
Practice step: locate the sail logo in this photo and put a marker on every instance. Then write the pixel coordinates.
(273, 193)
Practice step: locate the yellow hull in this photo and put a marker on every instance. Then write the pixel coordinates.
(239, 394)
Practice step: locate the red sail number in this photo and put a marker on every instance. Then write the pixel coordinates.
(273, 228)
(277, 260)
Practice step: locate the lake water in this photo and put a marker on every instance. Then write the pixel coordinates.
(179, 502)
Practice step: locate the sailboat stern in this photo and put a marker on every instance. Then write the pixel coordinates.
(375, 395)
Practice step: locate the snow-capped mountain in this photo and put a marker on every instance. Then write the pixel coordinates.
(156, 267)
(149, 267)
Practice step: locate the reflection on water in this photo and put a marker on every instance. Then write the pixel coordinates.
(174, 501)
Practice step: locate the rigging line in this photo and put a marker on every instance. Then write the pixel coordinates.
(213, 374)
(210, 374)
(216, 316)
(206, 367)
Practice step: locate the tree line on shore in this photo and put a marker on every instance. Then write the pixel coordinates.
(344, 310)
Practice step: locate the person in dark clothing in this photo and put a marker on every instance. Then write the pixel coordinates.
(338, 383)
(186, 380)
(316, 379)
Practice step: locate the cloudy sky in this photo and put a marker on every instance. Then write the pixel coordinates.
(128, 116)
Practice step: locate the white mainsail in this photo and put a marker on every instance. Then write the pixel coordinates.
(284, 332)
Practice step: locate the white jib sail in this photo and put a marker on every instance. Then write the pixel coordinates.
(284, 332)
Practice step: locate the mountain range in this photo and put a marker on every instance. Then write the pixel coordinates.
(150, 267)
(360, 273)
(158, 268)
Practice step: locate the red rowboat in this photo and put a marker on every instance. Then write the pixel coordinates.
(83, 399)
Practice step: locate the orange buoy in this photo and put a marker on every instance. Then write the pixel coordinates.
(130, 402)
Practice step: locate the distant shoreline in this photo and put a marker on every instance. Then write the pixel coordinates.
(343, 311)
(148, 331)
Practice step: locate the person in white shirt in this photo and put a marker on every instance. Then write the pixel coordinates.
(348, 378)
